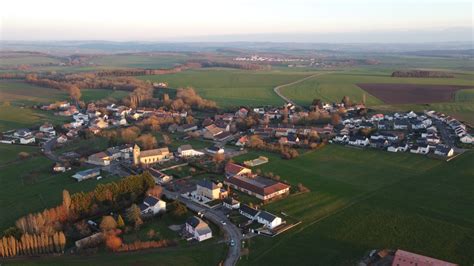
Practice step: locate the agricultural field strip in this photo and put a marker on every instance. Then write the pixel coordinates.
(352, 202)
(286, 99)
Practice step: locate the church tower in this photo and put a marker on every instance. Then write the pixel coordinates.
(136, 155)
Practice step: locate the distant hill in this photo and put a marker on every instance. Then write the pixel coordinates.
(466, 53)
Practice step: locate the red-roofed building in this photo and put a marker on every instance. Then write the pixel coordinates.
(259, 187)
(405, 258)
(232, 169)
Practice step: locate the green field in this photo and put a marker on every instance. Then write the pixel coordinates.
(14, 117)
(29, 185)
(465, 95)
(333, 86)
(24, 93)
(27, 60)
(366, 199)
(141, 60)
(232, 87)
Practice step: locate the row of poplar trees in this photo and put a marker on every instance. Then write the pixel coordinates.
(30, 244)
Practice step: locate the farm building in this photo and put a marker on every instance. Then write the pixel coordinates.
(405, 258)
(262, 188)
(86, 174)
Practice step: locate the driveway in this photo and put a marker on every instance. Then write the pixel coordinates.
(230, 230)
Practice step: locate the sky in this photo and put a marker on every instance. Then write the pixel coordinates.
(244, 20)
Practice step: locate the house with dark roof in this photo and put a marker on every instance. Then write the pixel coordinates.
(210, 190)
(186, 128)
(224, 136)
(248, 212)
(444, 150)
(269, 220)
(231, 203)
(215, 150)
(152, 205)
(198, 229)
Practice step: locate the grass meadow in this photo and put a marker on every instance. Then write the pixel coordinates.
(366, 199)
(232, 87)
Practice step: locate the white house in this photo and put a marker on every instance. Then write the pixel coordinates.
(341, 138)
(359, 141)
(152, 205)
(248, 212)
(160, 177)
(269, 220)
(22, 133)
(420, 149)
(215, 150)
(188, 151)
(198, 229)
(27, 140)
(468, 139)
(231, 203)
(393, 148)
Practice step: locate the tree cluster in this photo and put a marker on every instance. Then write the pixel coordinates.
(32, 244)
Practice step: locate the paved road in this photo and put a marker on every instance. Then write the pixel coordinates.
(230, 230)
(47, 149)
(286, 99)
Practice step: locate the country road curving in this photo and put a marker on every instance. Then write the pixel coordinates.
(286, 99)
(230, 230)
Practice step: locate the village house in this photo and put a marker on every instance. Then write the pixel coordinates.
(186, 151)
(23, 133)
(420, 149)
(186, 128)
(210, 190)
(48, 129)
(61, 139)
(27, 140)
(148, 157)
(242, 141)
(358, 141)
(231, 203)
(160, 177)
(248, 211)
(213, 150)
(443, 150)
(262, 188)
(100, 158)
(211, 131)
(152, 205)
(224, 137)
(198, 229)
(233, 169)
(268, 220)
(467, 139)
